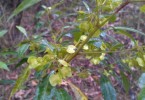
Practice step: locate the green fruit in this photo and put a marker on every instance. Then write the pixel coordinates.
(46, 57)
(32, 59)
(85, 26)
(39, 59)
(95, 61)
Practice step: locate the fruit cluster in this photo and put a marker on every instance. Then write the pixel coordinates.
(135, 61)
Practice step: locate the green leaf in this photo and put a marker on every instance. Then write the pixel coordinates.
(3, 66)
(84, 74)
(107, 89)
(21, 62)
(24, 5)
(6, 53)
(87, 7)
(125, 82)
(44, 90)
(79, 95)
(129, 29)
(142, 8)
(141, 82)
(126, 34)
(141, 95)
(48, 44)
(116, 46)
(62, 94)
(6, 82)
(65, 72)
(22, 49)
(3, 32)
(21, 29)
(113, 18)
(20, 81)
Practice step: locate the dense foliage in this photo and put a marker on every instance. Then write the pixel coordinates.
(86, 37)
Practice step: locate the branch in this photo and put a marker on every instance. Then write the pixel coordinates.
(68, 59)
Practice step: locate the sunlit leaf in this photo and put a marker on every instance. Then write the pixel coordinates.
(21, 29)
(140, 61)
(65, 72)
(55, 79)
(3, 66)
(20, 81)
(142, 8)
(87, 7)
(79, 95)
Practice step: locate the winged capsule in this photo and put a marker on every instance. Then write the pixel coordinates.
(55, 79)
(71, 49)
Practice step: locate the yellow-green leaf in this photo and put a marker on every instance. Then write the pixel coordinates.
(65, 72)
(3, 66)
(22, 30)
(142, 8)
(77, 92)
(140, 61)
(55, 79)
(20, 81)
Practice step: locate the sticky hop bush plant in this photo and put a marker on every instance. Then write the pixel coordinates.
(51, 60)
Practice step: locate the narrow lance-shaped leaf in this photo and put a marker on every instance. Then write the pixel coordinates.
(22, 30)
(3, 66)
(20, 81)
(126, 34)
(129, 29)
(125, 82)
(3, 32)
(43, 87)
(22, 49)
(24, 5)
(77, 92)
(107, 89)
(44, 90)
(6, 82)
(87, 7)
